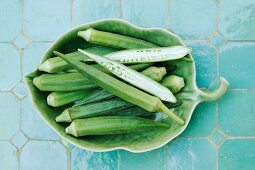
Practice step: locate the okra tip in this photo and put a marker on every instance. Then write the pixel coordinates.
(85, 34)
(45, 66)
(164, 109)
(71, 130)
(64, 117)
(36, 82)
(51, 100)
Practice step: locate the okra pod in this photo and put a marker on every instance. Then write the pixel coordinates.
(63, 82)
(112, 107)
(121, 89)
(173, 82)
(56, 64)
(154, 73)
(133, 77)
(113, 40)
(57, 99)
(111, 125)
(73, 81)
(92, 110)
(158, 54)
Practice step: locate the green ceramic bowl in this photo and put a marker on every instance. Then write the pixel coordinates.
(139, 142)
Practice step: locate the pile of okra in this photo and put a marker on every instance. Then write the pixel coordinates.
(115, 87)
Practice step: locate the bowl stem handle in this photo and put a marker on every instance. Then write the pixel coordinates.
(216, 94)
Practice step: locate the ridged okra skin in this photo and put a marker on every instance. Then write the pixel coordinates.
(113, 107)
(135, 78)
(173, 83)
(63, 82)
(75, 80)
(93, 110)
(56, 99)
(154, 73)
(56, 64)
(113, 40)
(121, 89)
(111, 125)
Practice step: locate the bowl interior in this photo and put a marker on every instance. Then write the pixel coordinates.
(137, 142)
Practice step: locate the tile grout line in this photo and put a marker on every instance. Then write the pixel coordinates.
(68, 158)
(236, 89)
(169, 13)
(71, 13)
(217, 49)
(121, 14)
(217, 115)
(118, 163)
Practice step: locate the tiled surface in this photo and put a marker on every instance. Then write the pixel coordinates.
(152, 160)
(81, 159)
(10, 115)
(46, 20)
(140, 13)
(206, 60)
(203, 116)
(40, 155)
(236, 63)
(236, 113)
(192, 154)
(237, 22)
(8, 156)
(11, 17)
(221, 32)
(85, 11)
(10, 71)
(237, 154)
(193, 19)
(31, 123)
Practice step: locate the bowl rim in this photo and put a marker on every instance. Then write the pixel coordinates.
(94, 149)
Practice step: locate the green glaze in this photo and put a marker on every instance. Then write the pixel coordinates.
(190, 95)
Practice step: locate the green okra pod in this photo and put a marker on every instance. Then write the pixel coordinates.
(121, 89)
(111, 125)
(113, 40)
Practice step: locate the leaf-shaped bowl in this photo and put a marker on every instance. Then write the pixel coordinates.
(191, 96)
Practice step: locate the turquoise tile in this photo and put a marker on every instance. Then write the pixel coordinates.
(236, 113)
(217, 40)
(46, 20)
(8, 158)
(20, 90)
(193, 19)
(81, 159)
(9, 66)
(202, 122)
(236, 64)
(9, 115)
(19, 139)
(41, 155)
(237, 20)
(152, 160)
(10, 19)
(237, 155)
(217, 137)
(206, 62)
(31, 123)
(21, 41)
(85, 11)
(191, 154)
(142, 13)
(32, 56)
